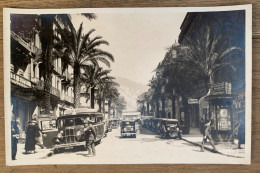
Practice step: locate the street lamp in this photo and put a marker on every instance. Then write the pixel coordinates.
(162, 99)
(173, 103)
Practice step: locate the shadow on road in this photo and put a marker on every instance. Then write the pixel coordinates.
(144, 131)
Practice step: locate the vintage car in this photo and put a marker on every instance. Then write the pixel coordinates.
(169, 129)
(114, 123)
(156, 124)
(48, 128)
(128, 128)
(71, 128)
(146, 121)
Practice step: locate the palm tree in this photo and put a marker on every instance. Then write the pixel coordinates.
(47, 57)
(143, 102)
(208, 54)
(104, 86)
(111, 94)
(93, 76)
(80, 50)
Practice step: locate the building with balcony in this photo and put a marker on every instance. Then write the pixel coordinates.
(27, 79)
(223, 107)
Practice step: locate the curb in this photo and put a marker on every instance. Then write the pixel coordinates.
(209, 149)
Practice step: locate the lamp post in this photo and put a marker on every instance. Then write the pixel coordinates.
(163, 101)
(173, 103)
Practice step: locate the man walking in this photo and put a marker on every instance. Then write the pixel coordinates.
(207, 135)
(90, 138)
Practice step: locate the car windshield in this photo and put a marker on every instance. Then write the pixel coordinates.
(171, 123)
(69, 122)
(128, 123)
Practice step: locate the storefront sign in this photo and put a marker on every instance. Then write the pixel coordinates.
(220, 88)
(193, 101)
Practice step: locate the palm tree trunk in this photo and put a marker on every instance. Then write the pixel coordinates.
(148, 108)
(173, 106)
(186, 113)
(76, 85)
(92, 97)
(47, 82)
(103, 103)
(163, 106)
(99, 105)
(157, 109)
(109, 108)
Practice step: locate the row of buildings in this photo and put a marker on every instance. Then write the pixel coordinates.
(225, 101)
(27, 80)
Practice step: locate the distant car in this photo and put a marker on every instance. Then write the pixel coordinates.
(128, 128)
(114, 123)
(169, 129)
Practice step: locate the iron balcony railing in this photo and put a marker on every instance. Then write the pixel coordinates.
(21, 41)
(38, 83)
(54, 91)
(30, 47)
(67, 98)
(20, 80)
(40, 86)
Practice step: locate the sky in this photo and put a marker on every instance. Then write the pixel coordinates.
(138, 41)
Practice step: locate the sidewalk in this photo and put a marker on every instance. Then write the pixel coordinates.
(227, 149)
(40, 153)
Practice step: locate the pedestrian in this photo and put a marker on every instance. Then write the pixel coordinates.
(30, 138)
(90, 138)
(14, 138)
(207, 136)
(241, 133)
(202, 125)
(38, 134)
(14, 134)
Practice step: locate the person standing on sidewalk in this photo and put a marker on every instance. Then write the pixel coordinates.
(30, 138)
(90, 138)
(207, 136)
(14, 134)
(38, 136)
(14, 138)
(241, 133)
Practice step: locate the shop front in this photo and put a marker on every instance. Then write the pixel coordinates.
(221, 112)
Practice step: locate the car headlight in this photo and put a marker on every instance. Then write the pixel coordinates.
(59, 135)
(78, 133)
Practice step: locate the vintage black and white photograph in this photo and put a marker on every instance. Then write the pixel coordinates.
(128, 85)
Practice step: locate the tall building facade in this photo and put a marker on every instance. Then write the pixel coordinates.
(225, 101)
(27, 81)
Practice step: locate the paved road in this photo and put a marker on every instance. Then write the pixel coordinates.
(146, 148)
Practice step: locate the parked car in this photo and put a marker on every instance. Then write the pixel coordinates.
(128, 128)
(71, 128)
(170, 129)
(114, 123)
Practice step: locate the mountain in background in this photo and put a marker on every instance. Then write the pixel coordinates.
(130, 90)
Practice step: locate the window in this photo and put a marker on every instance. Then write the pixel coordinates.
(69, 122)
(224, 121)
(99, 119)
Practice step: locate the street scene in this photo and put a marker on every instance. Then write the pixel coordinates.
(145, 148)
(127, 87)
